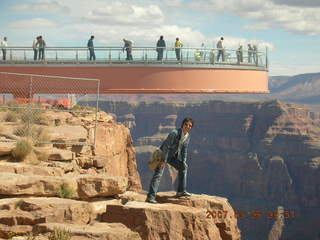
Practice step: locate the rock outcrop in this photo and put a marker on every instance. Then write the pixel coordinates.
(93, 193)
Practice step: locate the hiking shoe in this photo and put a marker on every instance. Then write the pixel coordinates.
(151, 200)
(183, 194)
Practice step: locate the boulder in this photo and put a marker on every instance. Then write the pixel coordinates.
(55, 154)
(67, 134)
(163, 221)
(82, 186)
(18, 215)
(100, 185)
(6, 148)
(110, 231)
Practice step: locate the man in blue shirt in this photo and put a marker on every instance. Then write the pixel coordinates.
(91, 49)
(175, 150)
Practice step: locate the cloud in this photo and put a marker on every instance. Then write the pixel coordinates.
(258, 26)
(123, 14)
(304, 3)
(41, 6)
(173, 3)
(271, 13)
(31, 23)
(142, 36)
(141, 21)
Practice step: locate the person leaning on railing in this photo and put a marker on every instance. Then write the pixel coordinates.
(250, 51)
(239, 53)
(41, 44)
(35, 48)
(128, 47)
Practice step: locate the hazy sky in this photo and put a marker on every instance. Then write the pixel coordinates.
(290, 28)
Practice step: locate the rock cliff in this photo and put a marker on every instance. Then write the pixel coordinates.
(92, 193)
(261, 155)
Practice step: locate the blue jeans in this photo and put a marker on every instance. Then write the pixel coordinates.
(220, 53)
(129, 54)
(182, 177)
(178, 53)
(4, 52)
(92, 54)
(41, 53)
(35, 54)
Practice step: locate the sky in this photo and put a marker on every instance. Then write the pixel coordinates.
(289, 28)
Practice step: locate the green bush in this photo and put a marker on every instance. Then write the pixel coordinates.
(60, 234)
(65, 191)
(22, 149)
(18, 203)
(11, 117)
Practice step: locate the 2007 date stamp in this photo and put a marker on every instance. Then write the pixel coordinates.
(253, 214)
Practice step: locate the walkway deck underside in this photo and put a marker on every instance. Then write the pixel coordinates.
(137, 80)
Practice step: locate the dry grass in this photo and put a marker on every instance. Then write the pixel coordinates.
(11, 117)
(22, 149)
(60, 234)
(65, 191)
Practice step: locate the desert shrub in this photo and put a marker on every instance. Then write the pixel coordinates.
(14, 107)
(21, 131)
(65, 191)
(42, 120)
(84, 110)
(30, 236)
(37, 134)
(22, 149)
(29, 116)
(11, 234)
(40, 134)
(60, 234)
(11, 117)
(18, 203)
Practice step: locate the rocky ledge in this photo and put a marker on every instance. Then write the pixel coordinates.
(94, 193)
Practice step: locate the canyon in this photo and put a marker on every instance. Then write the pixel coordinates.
(263, 156)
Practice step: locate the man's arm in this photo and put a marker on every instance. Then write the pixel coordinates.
(166, 145)
(184, 150)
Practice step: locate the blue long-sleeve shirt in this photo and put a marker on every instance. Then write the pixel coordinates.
(170, 146)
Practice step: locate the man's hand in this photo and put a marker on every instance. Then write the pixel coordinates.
(162, 164)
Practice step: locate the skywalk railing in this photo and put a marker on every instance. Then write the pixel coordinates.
(140, 55)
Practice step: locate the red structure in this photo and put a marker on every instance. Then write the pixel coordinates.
(139, 79)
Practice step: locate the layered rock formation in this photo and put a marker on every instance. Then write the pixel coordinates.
(93, 193)
(261, 155)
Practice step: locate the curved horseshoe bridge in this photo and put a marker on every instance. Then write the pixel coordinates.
(198, 70)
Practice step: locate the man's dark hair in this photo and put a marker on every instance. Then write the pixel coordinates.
(161, 37)
(187, 119)
(92, 37)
